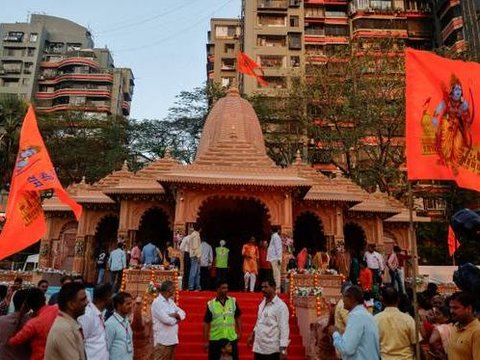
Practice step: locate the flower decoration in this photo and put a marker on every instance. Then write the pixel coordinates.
(308, 291)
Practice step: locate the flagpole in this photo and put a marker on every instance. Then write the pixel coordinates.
(413, 244)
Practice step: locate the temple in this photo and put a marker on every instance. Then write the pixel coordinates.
(232, 189)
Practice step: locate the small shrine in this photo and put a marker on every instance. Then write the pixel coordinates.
(233, 189)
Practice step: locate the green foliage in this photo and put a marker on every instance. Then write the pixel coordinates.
(432, 243)
(12, 112)
(85, 146)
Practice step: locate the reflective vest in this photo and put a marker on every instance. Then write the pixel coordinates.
(223, 320)
(221, 259)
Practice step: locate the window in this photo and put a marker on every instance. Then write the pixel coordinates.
(227, 32)
(12, 67)
(314, 29)
(229, 48)
(314, 12)
(14, 36)
(10, 82)
(74, 47)
(30, 51)
(272, 20)
(295, 3)
(336, 30)
(271, 61)
(27, 68)
(77, 100)
(295, 61)
(56, 48)
(294, 21)
(25, 81)
(275, 82)
(226, 81)
(12, 52)
(271, 40)
(33, 37)
(228, 64)
(295, 41)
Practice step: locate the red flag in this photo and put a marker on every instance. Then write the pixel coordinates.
(33, 174)
(248, 66)
(453, 243)
(442, 126)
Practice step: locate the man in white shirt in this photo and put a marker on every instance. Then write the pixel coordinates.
(165, 317)
(375, 263)
(275, 254)
(206, 261)
(93, 325)
(271, 333)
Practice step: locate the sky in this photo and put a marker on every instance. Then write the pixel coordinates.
(163, 42)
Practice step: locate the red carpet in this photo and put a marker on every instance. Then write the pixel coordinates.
(191, 330)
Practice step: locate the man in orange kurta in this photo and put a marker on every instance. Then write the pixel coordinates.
(250, 264)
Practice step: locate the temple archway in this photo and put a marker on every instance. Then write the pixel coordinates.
(235, 220)
(106, 234)
(64, 248)
(355, 238)
(155, 227)
(308, 232)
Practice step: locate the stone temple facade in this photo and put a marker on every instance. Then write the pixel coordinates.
(232, 189)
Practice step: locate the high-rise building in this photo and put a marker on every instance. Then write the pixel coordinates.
(53, 63)
(458, 25)
(283, 36)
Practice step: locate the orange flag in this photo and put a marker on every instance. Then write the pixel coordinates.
(453, 243)
(442, 126)
(33, 174)
(248, 66)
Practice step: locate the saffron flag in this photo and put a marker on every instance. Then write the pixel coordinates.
(442, 126)
(33, 174)
(453, 243)
(248, 66)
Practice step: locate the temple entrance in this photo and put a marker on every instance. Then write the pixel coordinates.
(355, 239)
(308, 232)
(234, 220)
(64, 248)
(155, 227)
(106, 234)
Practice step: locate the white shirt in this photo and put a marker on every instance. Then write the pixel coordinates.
(165, 327)
(207, 254)
(271, 330)
(185, 244)
(93, 328)
(374, 260)
(274, 251)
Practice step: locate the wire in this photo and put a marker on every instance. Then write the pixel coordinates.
(180, 32)
(148, 19)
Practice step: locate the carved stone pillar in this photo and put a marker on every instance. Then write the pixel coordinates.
(339, 236)
(89, 271)
(45, 258)
(79, 259)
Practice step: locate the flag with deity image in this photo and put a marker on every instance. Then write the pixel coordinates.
(442, 126)
(32, 176)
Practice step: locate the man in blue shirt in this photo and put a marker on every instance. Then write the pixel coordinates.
(360, 341)
(119, 333)
(116, 263)
(151, 254)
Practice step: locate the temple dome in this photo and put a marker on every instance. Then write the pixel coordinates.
(232, 135)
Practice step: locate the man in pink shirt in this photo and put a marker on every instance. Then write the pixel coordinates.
(135, 254)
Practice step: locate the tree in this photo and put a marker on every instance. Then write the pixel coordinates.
(12, 112)
(180, 131)
(80, 145)
(357, 107)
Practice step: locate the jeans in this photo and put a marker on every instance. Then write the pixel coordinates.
(377, 276)
(101, 276)
(194, 278)
(116, 280)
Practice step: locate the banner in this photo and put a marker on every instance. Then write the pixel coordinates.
(33, 174)
(442, 125)
(248, 66)
(453, 243)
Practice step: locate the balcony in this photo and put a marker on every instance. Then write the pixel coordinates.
(95, 77)
(454, 24)
(126, 108)
(272, 4)
(74, 92)
(88, 106)
(69, 61)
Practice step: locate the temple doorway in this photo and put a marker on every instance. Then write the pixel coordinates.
(106, 234)
(308, 232)
(355, 238)
(155, 227)
(64, 248)
(234, 220)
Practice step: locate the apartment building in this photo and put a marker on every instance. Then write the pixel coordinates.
(53, 63)
(457, 23)
(283, 36)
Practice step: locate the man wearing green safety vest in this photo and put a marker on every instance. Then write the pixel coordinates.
(221, 261)
(222, 328)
